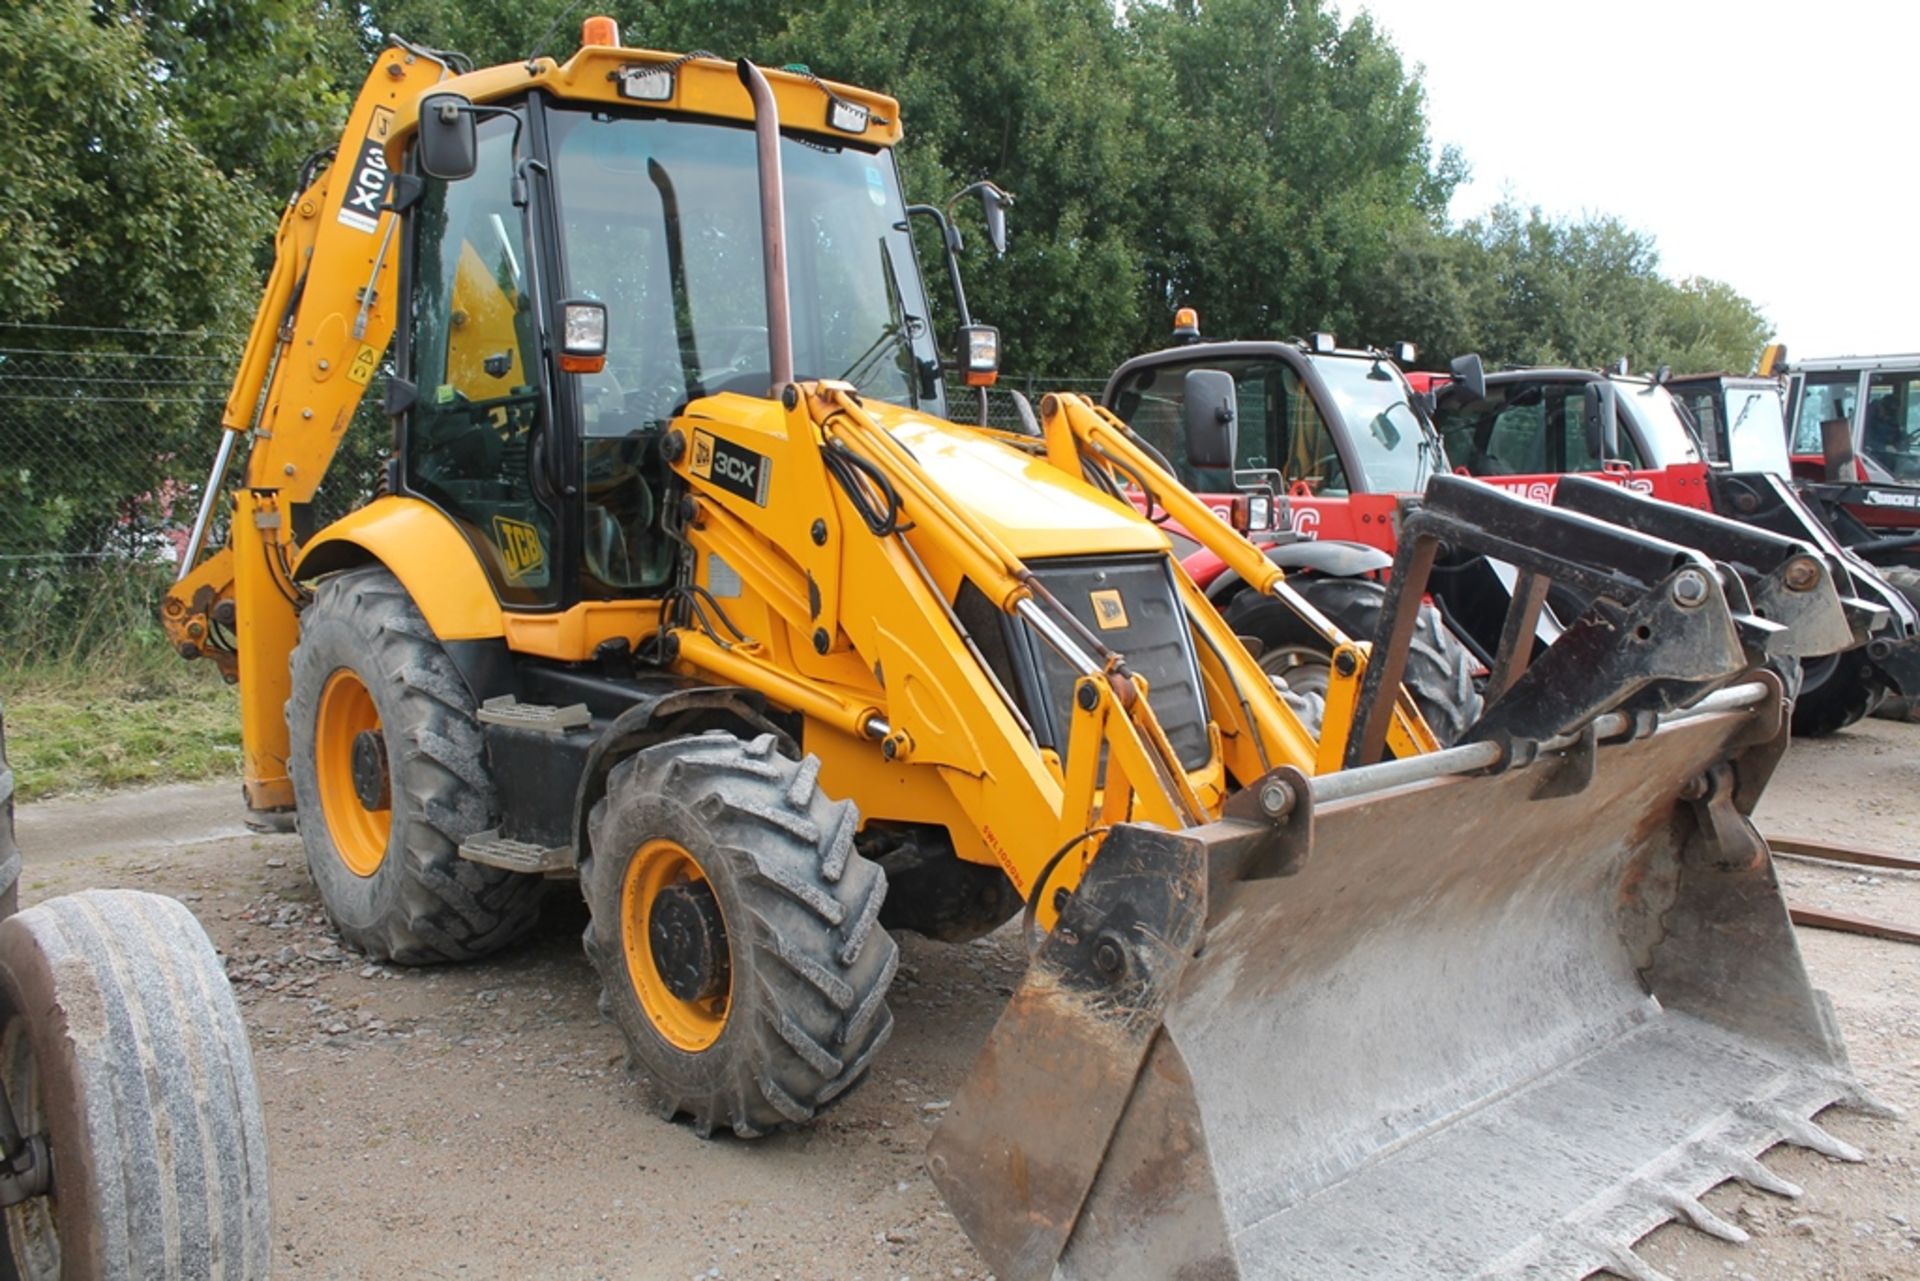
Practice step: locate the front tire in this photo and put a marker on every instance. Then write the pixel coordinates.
(389, 775)
(1440, 670)
(1835, 691)
(736, 932)
(122, 1048)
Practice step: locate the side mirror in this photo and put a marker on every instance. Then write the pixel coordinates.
(1212, 419)
(1602, 414)
(449, 149)
(1470, 375)
(994, 204)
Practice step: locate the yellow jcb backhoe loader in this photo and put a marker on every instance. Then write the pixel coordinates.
(682, 583)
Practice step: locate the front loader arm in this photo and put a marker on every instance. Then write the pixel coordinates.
(323, 324)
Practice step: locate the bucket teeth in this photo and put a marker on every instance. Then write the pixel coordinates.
(1693, 1211)
(1755, 1175)
(1801, 1132)
(1624, 1261)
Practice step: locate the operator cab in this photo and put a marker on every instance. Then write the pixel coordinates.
(1739, 418)
(1315, 419)
(1871, 401)
(649, 220)
(1547, 422)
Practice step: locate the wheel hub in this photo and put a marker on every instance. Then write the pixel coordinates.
(689, 941)
(372, 782)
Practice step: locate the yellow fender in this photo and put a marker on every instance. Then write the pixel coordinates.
(428, 554)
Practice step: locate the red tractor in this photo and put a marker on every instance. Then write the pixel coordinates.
(1344, 438)
(1329, 440)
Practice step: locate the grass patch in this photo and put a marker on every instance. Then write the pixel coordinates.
(105, 702)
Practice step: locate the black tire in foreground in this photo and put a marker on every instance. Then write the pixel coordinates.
(1835, 691)
(1440, 670)
(121, 1044)
(736, 932)
(389, 775)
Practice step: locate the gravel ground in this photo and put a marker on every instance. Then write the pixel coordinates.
(477, 1121)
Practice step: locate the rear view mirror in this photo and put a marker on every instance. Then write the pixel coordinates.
(1470, 373)
(1602, 414)
(1212, 419)
(448, 147)
(993, 206)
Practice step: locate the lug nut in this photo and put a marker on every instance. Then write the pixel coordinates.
(1690, 589)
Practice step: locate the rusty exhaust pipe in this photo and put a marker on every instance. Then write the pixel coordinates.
(773, 225)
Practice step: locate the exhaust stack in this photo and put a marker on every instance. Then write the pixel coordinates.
(773, 225)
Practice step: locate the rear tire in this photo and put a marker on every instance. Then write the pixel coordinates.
(121, 1045)
(788, 1008)
(1440, 670)
(392, 879)
(1835, 691)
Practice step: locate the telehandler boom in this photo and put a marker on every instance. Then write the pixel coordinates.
(682, 584)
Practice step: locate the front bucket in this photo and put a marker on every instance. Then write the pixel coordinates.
(1500, 1025)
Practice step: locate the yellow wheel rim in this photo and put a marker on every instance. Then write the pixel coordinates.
(690, 1025)
(359, 834)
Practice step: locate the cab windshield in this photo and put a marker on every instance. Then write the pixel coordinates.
(660, 221)
(1389, 439)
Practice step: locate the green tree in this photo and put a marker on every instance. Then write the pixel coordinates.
(113, 221)
(1293, 161)
(1709, 326)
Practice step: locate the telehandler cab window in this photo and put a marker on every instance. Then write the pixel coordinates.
(1280, 427)
(1823, 398)
(1891, 435)
(473, 358)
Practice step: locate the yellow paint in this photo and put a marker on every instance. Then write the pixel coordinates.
(689, 1025)
(428, 554)
(344, 712)
(483, 314)
(571, 635)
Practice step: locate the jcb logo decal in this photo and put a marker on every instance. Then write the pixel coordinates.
(521, 548)
(367, 181)
(730, 467)
(1109, 610)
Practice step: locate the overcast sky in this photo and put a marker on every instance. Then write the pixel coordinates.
(1764, 144)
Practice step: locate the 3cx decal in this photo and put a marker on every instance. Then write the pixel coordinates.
(367, 182)
(732, 468)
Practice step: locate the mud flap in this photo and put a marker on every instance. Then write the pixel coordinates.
(1510, 1052)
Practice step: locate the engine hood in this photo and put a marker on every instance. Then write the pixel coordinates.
(1030, 505)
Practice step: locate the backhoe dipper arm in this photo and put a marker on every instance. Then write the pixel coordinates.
(323, 324)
